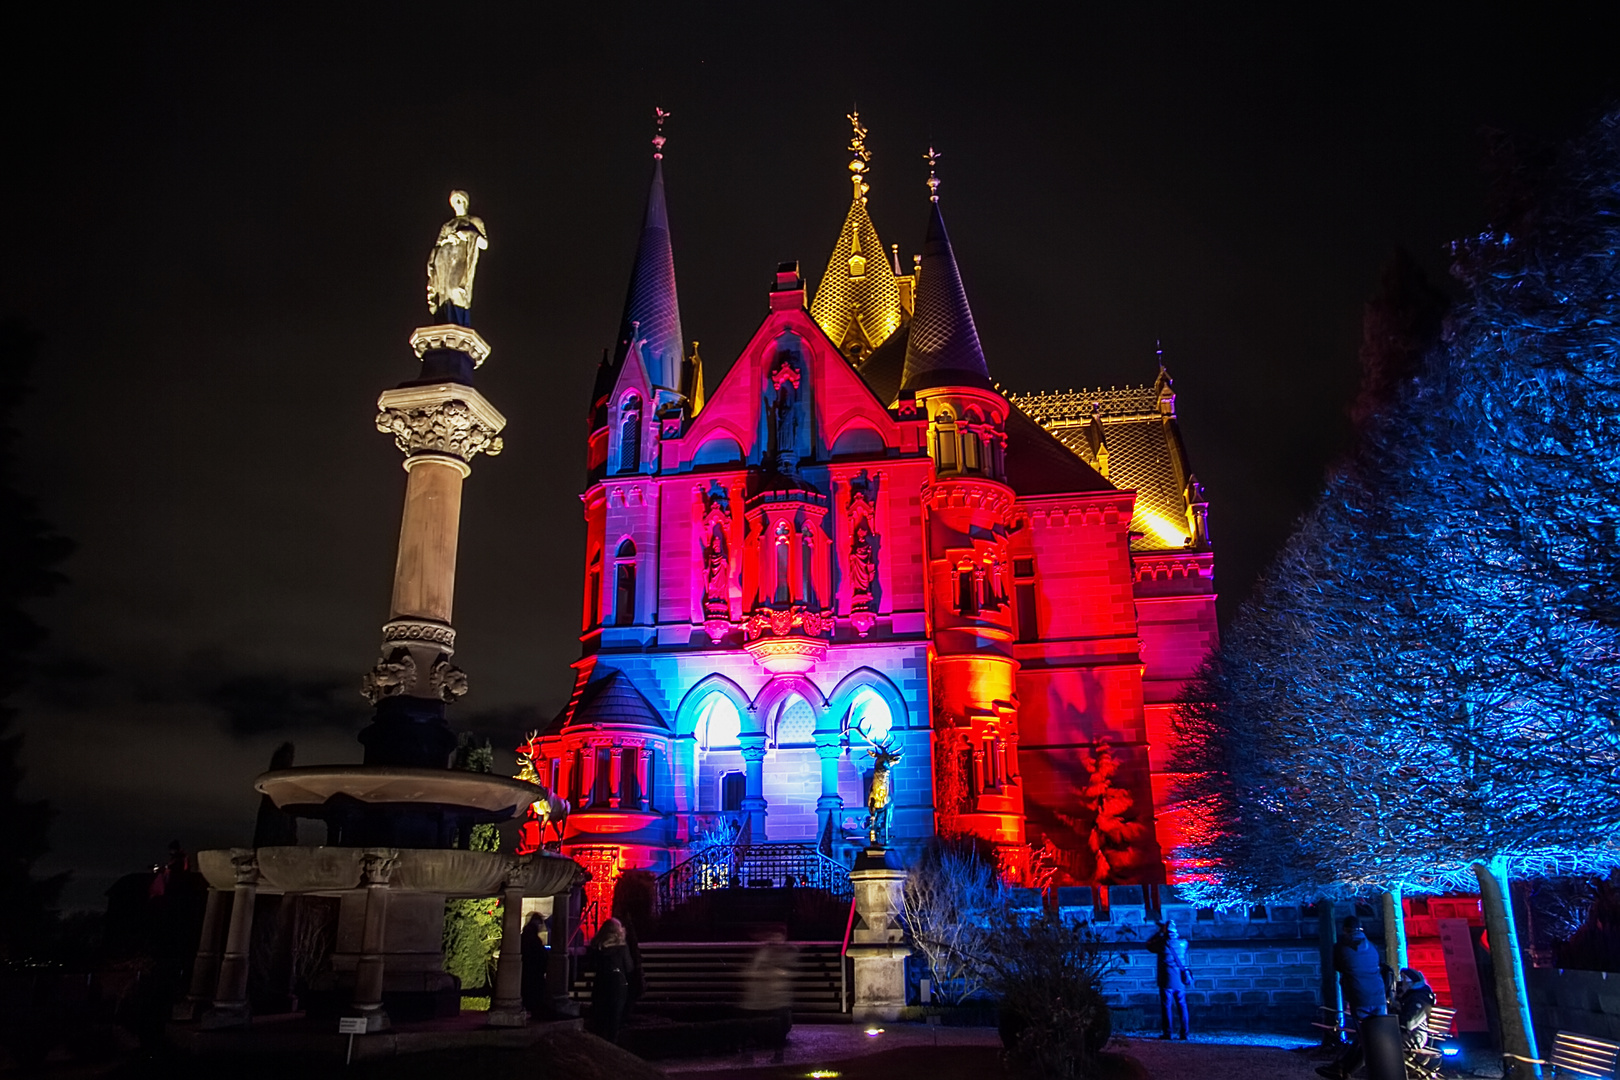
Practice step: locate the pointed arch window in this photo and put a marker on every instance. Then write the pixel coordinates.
(624, 585)
(719, 724)
(630, 434)
(870, 715)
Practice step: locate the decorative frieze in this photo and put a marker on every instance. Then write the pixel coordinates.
(420, 632)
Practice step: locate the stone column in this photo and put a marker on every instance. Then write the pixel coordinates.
(205, 968)
(506, 1007)
(559, 970)
(753, 804)
(829, 804)
(231, 995)
(1507, 965)
(376, 866)
(877, 944)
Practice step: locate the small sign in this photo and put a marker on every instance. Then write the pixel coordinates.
(352, 1025)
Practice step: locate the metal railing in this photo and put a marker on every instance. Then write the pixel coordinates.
(753, 866)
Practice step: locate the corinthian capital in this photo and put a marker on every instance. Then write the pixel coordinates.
(446, 418)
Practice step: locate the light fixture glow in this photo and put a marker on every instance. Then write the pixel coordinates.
(1168, 532)
(873, 1032)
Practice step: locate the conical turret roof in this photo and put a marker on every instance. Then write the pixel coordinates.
(943, 349)
(858, 300)
(652, 312)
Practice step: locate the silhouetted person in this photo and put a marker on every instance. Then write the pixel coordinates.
(1175, 976)
(767, 993)
(535, 958)
(609, 957)
(274, 827)
(1362, 985)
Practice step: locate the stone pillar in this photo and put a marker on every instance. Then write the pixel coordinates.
(231, 995)
(205, 968)
(506, 1007)
(877, 944)
(375, 868)
(560, 971)
(1327, 934)
(754, 804)
(1507, 965)
(425, 572)
(829, 804)
(1394, 929)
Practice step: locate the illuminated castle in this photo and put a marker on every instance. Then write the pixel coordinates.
(858, 537)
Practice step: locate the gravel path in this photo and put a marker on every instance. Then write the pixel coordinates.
(1206, 1057)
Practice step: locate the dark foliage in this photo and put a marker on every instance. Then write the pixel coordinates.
(1427, 674)
(30, 554)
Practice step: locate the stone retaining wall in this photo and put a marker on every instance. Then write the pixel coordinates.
(1587, 1002)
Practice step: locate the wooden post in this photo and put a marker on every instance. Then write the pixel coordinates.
(1507, 965)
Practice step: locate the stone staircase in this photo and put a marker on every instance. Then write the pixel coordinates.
(682, 975)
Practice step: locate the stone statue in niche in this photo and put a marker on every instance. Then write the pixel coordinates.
(454, 262)
(716, 575)
(785, 410)
(862, 563)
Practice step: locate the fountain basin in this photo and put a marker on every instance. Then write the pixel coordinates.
(444, 872)
(312, 786)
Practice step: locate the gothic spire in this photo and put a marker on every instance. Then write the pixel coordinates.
(857, 302)
(943, 349)
(652, 313)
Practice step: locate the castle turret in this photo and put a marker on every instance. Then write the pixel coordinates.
(968, 509)
(861, 299)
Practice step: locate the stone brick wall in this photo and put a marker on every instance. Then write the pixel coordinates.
(1587, 1002)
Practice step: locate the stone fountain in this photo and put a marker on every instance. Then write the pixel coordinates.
(399, 826)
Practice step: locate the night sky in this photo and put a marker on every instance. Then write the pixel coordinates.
(219, 221)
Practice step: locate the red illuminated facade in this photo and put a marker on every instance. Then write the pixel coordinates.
(858, 537)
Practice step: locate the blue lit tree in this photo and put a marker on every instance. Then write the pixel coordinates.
(1425, 689)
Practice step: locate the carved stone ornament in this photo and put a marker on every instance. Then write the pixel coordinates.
(377, 865)
(774, 622)
(419, 631)
(245, 865)
(394, 674)
(449, 336)
(446, 418)
(716, 628)
(447, 681)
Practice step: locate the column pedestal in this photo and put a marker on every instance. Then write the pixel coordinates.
(231, 1007)
(205, 969)
(506, 1009)
(376, 867)
(877, 944)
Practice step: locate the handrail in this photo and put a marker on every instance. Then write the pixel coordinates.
(843, 959)
(740, 865)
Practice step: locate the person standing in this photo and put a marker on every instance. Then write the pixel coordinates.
(535, 959)
(1175, 976)
(609, 956)
(1362, 984)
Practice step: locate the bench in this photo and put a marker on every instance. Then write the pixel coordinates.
(1425, 1060)
(1574, 1054)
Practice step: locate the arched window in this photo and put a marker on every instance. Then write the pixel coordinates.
(870, 714)
(795, 723)
(945, 441)
(624, 586)
(784, 564)
(719, 724)
(733, 786)
(967, 595)
(970, 450)
(630, 434)
(593, 597)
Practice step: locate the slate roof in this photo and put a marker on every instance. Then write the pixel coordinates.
(614, 699)
(651, 309)
(1144, 448)
(943, 348)
(862, 310)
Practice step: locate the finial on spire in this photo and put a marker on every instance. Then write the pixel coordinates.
(1158, 351)
(658, 139)
(858, 164)
(932, 157)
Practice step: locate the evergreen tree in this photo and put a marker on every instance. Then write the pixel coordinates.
(30, 553)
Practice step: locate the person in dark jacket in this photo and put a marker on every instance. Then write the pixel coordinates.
(1175, 976)
(1363, 988)
(535, 959)
(609, 957)
(1414, 998)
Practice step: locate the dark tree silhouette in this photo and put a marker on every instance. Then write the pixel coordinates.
(30, 552)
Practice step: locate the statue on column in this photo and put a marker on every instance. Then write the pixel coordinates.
(453, 263)
(880, 799)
